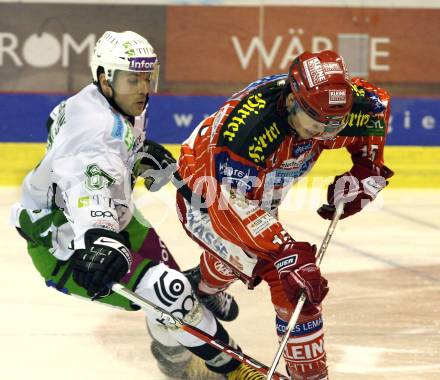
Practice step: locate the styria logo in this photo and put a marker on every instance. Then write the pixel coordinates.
(168, 293)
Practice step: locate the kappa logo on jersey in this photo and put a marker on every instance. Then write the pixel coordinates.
(249, 107)
(97, 178)
(235, 173)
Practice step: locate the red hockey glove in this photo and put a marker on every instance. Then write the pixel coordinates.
(355, 188)
(297, 271)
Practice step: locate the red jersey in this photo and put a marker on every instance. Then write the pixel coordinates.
(243, 159)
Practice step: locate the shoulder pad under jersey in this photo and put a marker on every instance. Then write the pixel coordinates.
(272, 80)
(255, 128)
(367, 116)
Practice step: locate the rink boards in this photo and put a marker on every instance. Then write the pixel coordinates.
(415, 167)
(412, 147)
(415, 121)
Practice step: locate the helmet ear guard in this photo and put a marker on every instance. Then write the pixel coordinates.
(321, 86)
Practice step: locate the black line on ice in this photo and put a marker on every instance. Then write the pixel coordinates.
(410, 218)
(371, 256)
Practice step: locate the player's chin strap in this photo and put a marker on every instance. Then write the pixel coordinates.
(302, 299)
(174, 321)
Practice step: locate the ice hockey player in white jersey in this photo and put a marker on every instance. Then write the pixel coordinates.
(82, 228)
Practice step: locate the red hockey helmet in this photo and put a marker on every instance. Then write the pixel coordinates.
(321, 86)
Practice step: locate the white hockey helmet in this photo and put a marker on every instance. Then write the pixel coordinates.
(127, 51)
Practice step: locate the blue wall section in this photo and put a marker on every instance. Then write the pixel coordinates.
(172, 118)
(23, 116)
(415, 121)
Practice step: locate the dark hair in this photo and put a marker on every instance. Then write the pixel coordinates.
(100, 70)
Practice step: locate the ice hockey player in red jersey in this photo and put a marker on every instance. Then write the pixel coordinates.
(238, 164)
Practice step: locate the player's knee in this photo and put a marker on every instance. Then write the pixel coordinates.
(170, 290)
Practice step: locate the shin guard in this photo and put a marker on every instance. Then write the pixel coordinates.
(305, 354)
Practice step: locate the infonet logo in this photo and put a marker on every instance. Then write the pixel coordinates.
(142, 63)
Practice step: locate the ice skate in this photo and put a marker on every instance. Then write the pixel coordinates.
(178, 363)
(244, 372)
(222, 304)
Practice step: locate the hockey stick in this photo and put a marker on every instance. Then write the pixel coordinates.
(179, 323)
(302, 299)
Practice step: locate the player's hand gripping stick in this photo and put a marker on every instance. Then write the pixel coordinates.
(303, 297)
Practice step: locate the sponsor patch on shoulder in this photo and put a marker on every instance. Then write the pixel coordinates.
(118, 128)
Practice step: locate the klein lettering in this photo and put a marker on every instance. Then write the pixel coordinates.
(306, 351)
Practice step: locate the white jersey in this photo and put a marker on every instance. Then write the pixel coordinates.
(86, 171)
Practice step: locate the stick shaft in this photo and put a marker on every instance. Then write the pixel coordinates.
(302, 298)
(179, 323)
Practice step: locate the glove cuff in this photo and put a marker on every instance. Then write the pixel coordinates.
(94, 233)
(363, 165)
